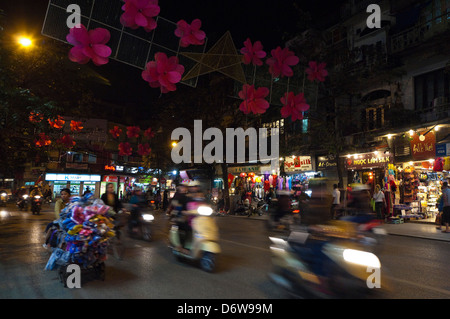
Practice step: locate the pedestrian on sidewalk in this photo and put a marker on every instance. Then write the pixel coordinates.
(446, 210)
(380, 201)
(336, 194)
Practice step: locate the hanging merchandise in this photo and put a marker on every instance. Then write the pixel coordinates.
(447, 163)
(438, 165)
(81, 235)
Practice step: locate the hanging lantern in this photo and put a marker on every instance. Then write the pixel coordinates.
(251, 175)
(243, 175)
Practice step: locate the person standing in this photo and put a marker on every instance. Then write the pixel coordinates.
(380, 201)
(62, 202)
(110, 198)
(336, 200)
(446, 209)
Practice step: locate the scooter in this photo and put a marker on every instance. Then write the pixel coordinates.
(22, 202)
(36, 203)
(258, 206)
(329, 262)
(141, 229)
(3, 198)
(200, 246)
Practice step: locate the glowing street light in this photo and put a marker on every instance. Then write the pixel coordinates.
(25, 42)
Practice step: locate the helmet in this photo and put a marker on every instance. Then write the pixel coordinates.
(194, 183)
(284, 193)
(359, 187)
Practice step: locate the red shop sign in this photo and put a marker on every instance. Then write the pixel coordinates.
(423, 147)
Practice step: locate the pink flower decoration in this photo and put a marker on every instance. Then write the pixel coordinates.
(281, 61)
(149, 133)
(144, 149)
(316, 71)
(125, 149)
(254, 99)
(140, 13)
(190, 33)
(66, 141)
(164, 72)
(89, 45)
(133, 131)
(294, 106)
(115, 132)
(253, 53)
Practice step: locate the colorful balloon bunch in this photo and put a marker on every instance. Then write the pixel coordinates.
(87, 226)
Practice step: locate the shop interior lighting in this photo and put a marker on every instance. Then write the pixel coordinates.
(411, 132)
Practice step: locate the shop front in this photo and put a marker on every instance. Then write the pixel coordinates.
(77, 183)
(298, 170)
(251, 178)
(420, 179)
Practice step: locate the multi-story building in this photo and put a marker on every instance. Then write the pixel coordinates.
(389, 92)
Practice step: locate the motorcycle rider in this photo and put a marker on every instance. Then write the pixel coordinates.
(283, 206)
(36, 191)
(137, 201)
(190, 203)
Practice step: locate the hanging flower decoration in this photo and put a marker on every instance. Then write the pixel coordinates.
(57, 123)
(316, 71)
(149, 133)
(144, 149)
(294, 106)
(115, 132)
(89, 45)
(35, 117)
(281, 61)
(43, 140)
(254, 99)
(75, 126)
(140, 13)
(133, 131)
(190, 33)
(164, 72)
(125, 149)
(66, 141)
(253, 53)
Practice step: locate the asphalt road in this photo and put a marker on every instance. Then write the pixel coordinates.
(414, 268)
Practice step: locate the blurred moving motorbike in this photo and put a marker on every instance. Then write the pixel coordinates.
(36, 203)
(200, 244)
(327, 261)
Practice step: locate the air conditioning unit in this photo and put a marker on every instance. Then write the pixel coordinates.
(440, 101)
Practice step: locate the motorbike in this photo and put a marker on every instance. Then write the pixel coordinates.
(243, 208)
(258, 206)
(3, 198)
(22, 202)
(199, 246)
(36, 203)
(140, 227)
(326, 261)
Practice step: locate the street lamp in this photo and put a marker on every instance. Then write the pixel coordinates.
(25, 42)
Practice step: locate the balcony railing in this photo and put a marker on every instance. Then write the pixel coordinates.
(419, 33)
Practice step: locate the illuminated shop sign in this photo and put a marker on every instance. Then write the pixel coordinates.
(72, 177)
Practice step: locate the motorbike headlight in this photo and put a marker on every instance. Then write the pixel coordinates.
(3, 195)
(25, 196)
(148, 217)
(204, 210)
(362, 258)
(37, 196)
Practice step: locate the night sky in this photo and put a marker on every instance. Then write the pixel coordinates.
(255, 19)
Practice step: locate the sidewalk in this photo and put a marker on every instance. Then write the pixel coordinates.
(408, 229)
(418, 230)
